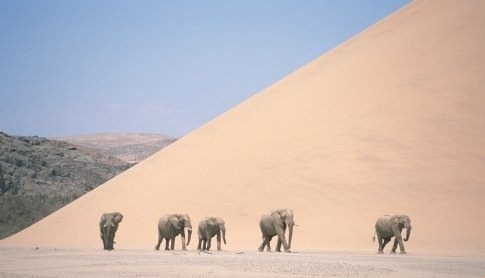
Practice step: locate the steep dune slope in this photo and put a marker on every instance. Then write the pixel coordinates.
(392, 121)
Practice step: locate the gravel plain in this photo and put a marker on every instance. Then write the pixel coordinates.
(146, 263)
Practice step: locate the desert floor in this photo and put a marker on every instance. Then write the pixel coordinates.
(146, 263)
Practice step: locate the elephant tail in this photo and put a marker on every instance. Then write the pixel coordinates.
(374, 238)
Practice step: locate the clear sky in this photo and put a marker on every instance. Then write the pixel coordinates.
(84, 66)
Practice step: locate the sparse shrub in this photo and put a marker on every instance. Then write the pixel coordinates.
(2, 181)
(19, 163)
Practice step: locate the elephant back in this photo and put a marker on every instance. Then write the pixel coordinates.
(383, 221)
(203, 223)
(163, 219)
(265, 217)
(267, 220)
(163, 223)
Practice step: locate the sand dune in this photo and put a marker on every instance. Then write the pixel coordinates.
(392, 121)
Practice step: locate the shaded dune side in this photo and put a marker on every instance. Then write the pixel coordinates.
(392, 121)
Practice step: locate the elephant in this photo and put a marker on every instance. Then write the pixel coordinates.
(208, 228)
(391, 226)
(108, 225)
(172, 225)
(275, 224)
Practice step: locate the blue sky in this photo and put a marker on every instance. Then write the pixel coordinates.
(84, 66)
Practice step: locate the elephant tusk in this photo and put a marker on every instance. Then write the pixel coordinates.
(189, 229)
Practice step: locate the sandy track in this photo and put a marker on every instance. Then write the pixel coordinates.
(129, 263)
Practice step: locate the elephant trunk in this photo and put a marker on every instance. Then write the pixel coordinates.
(223, 230)
(189, 235)
(408, 233)
(290, 235)
(107, 237)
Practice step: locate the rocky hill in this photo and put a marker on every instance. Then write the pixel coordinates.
(129, 147)
(40, 175)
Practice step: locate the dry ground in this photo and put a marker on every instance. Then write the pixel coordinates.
(146, 263)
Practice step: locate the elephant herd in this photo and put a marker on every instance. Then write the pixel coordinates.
(272, 224)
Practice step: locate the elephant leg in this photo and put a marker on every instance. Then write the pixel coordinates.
(265, 241)
(380, 241)
(398, 240)
(278, 245)
(219, 241)
(394, 246)
(108, 242)
(204, 247)
(157, 247)
(111, 241)
(182, 235)
(401, 247)
(104, 241)
(268, 241)
(281, 236)
(209, 240)
(199, 245)
(102, 238)
(172, 243)
(167, 242)
(383, 244)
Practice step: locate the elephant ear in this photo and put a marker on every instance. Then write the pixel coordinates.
(117, 217)
(283, 214)
(219, 221)
(185, 218)
(175, 221)
(102, 221)
(395, 219)
(278, 213)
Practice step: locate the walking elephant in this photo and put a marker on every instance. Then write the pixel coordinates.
(275, 224)
(391, 226)
(208, 228)
(108, 225)
(172, 225)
